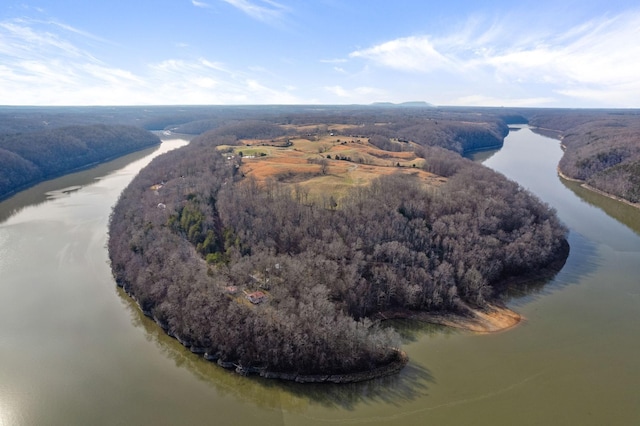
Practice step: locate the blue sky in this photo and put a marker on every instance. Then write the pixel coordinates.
(166, 52)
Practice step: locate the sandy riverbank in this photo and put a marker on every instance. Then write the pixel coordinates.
(490, 319)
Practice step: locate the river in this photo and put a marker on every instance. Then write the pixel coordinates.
(74, 350)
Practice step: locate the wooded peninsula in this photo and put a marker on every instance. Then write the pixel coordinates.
(275, 245)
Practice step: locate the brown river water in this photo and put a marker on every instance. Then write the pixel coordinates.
(74, 350)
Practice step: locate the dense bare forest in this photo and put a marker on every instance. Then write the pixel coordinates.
(267, 279)
(602, 148)
(27, 158)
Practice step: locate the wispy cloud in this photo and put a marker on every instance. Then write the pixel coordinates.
(200, 4)
(263, 10)
(482, 61)
(19, 38)
(408, 53)
(39, 65)
(585, 61)
(74, 30)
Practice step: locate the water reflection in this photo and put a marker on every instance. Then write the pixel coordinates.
(411, 384)
(481, 156)
(583, 260)
(65, 185)
(412, 330)
(531, 160)
(622, 212)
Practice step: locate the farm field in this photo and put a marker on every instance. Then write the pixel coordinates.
(327, 164)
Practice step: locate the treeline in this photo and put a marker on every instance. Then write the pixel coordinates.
(228, 133)
(20, 119)
(28, 158)
(186, 251)
(602, 148)
(460, 136)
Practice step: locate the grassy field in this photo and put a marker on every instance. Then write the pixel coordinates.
(326, 163)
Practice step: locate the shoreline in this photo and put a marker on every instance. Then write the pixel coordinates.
(393, 367)
(584, 185)
(6, 195)
(492, 318)
(556, 134)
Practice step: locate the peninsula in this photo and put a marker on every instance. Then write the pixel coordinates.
(275, 246)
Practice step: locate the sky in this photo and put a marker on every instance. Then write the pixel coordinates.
(570, 54)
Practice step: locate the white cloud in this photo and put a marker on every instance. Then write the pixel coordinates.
(337, 91)
(602, 53)
(408, 53)
(594, 63)
(356, 94)
(111, 75)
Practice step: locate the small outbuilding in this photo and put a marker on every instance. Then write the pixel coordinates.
(256, 297)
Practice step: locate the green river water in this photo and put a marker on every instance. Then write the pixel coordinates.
(74, 350)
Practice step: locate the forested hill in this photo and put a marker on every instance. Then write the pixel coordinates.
(28, 158)
(264, 277)
(602, 148)
(38, 143)
(460, 132)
